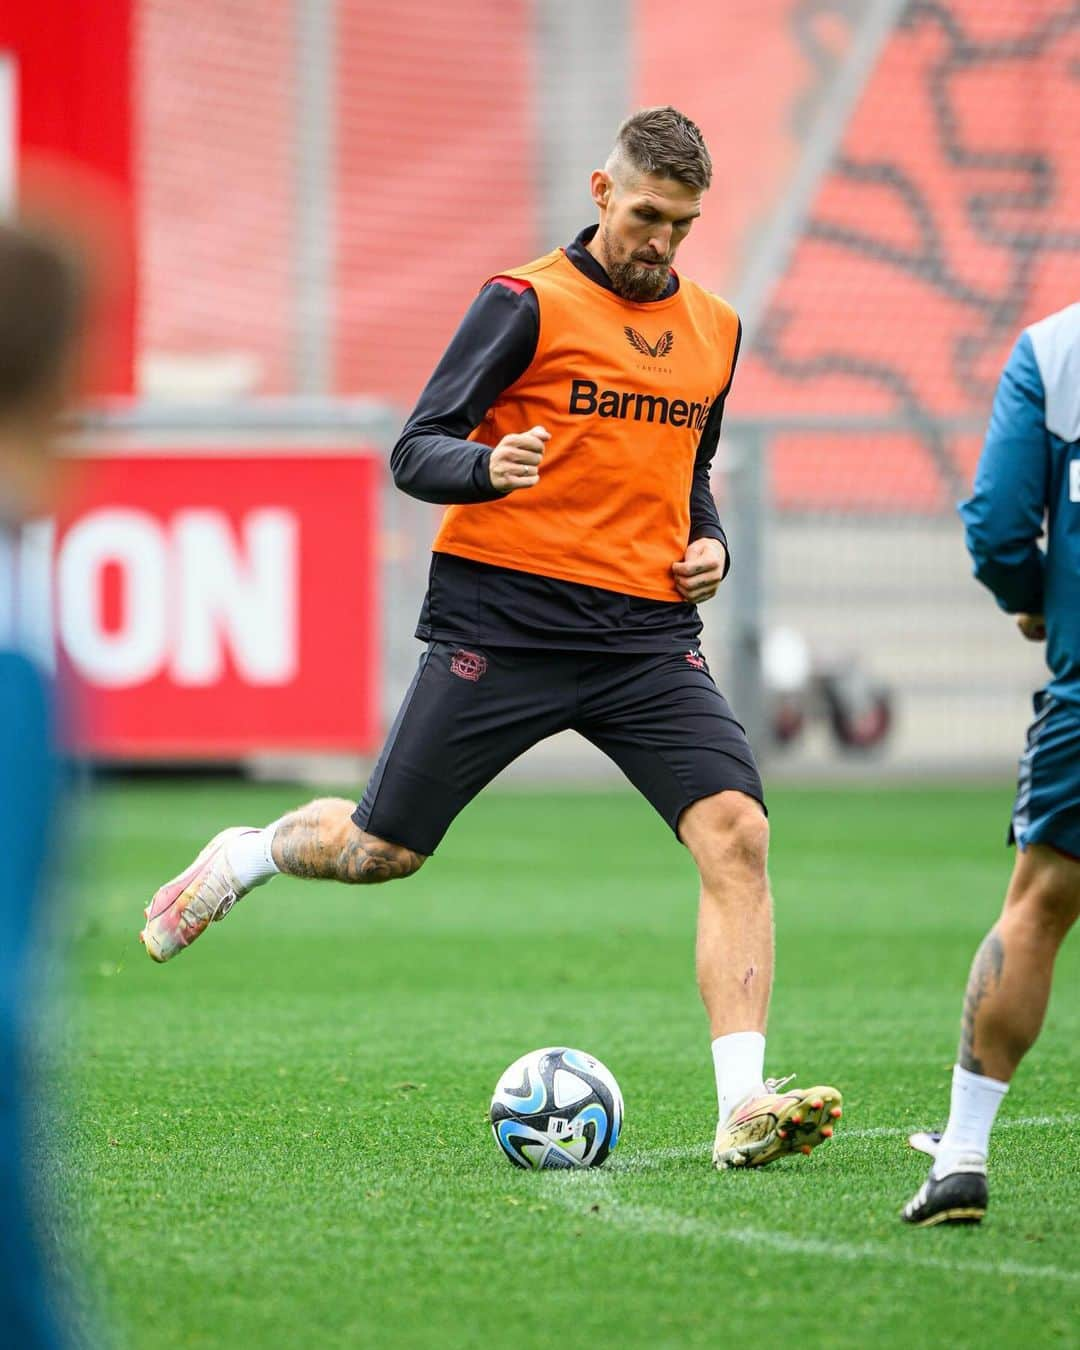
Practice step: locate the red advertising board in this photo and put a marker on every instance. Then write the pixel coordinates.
(213, 604)
(68, 71)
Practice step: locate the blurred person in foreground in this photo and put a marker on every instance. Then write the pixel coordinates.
(41, 303)
(570, 428)
(1029, 471)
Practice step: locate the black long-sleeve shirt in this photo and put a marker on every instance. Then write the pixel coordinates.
(433, 460)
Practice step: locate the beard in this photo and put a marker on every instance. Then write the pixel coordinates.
(630, 279)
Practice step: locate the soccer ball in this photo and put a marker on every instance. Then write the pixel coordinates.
(557, 1108)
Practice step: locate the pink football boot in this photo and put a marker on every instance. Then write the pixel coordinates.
(183, 908)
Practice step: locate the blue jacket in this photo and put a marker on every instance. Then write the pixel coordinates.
(1028, 475)
(28, 781)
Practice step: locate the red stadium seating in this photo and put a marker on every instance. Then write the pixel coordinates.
(949, 220)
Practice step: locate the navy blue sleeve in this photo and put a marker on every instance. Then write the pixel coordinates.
(433, 459)
(704, 517)
(1003, 517)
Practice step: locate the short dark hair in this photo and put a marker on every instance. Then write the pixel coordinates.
(41, 313)
(665, 143)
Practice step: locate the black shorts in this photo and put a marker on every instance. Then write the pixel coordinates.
(470, 712)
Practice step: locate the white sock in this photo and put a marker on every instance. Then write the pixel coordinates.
(739, 1061)
(975, 1102)
(250, 858)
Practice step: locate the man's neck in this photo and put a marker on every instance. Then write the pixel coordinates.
(587, 256)
(24, 469)
(594, 247)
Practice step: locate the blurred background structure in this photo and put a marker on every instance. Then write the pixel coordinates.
(314, 190)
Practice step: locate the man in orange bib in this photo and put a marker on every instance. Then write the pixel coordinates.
(570, 428)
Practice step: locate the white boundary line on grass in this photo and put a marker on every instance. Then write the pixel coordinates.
(898, 1131)
(650, 1220)
(652, 1157)
(643, 1219)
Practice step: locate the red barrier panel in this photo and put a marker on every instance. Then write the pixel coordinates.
(215, 604)
(73, 82)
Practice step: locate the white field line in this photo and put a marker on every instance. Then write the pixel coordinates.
(654, 1156)
(1016, 1123)
(642, 1219)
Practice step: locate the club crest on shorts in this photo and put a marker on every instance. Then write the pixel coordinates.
(696, 660)
(467, 665)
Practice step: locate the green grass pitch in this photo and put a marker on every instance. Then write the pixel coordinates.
(281, 1138)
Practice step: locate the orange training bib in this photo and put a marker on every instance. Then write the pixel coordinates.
(625, 390)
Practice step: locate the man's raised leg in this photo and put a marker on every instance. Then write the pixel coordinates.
(728, 836)
(1007, 993)
(321, 840)
(317, 840)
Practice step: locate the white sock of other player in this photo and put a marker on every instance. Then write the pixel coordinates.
(250, 858)
(739, 1061)
(966, 1141)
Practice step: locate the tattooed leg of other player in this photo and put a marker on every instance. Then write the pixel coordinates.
(1009, 985)
(985, 977)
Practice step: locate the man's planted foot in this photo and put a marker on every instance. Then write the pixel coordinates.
(773, 1123)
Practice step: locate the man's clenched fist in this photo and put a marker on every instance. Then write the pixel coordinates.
(701, 571)
(515, 461)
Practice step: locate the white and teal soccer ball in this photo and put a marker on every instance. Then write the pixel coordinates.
(557, 1108)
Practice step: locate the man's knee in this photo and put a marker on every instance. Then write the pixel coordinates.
(1045, 888)
(366, 859)
(728, 829)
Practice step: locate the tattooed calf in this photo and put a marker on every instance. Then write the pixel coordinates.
(321, 840)
(366, 858)
(985, 976)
